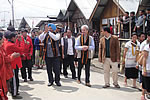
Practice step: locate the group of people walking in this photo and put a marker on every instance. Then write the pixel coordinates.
(56, 49)
(16, 52)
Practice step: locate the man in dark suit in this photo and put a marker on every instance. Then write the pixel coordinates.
(75, 30)
(68, 52)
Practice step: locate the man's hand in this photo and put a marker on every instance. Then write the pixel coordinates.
(144, 74)
(137, 67)
(46, 29)
(85, 48)
(138, 27)
(41, 44)
(15, 55)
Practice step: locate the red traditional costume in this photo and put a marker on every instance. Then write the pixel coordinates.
(5, 66)
(10, 49)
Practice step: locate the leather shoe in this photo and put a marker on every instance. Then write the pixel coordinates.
(106, 86)
(66, 76)
(25, 80)
(18, 93)
(88, 84)
(31, 79)
(116, 86)
(16, 97)
(58, 84)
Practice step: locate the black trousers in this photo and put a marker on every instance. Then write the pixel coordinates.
(61, 62)
(53, 63)
(14, 83)
(69, 61)
(26, 64)
(87, 70)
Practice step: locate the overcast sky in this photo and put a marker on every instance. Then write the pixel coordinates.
(31, 8)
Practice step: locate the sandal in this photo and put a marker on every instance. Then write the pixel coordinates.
(143, 97)
(135, 87)
(78, 81)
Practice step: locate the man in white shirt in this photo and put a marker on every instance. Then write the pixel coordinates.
(51, 53)
(68, 52)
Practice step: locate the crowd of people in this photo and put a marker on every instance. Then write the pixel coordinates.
(131, 23)
(23, 50)
(56, 47)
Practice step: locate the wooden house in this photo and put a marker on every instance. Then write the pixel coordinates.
(106, 12)
(144, 4)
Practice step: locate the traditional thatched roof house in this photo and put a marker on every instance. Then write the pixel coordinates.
(32, 22)
(61, 15)
(79, 12)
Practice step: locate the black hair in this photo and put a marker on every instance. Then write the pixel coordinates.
(6, 34)
(127, 13)
(106, 28)
(148, 33)
(12, 35)
(134, 33)
(142, 33)
(143, 11)
(1, 36)
(132, 12)
(148, 9)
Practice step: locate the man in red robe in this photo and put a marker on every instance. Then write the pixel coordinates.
(26, 58)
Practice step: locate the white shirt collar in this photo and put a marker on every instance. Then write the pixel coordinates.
(108, 37)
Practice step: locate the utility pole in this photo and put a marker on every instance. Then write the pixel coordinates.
(12, 7)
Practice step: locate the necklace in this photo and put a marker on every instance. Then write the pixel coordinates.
(134, 53)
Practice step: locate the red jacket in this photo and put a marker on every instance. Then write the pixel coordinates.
(28, 47)
(8, 60)
(3, 76)
(10, 49)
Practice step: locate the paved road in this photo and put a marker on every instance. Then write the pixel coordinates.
(71, 90)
